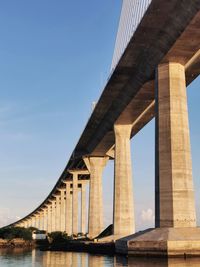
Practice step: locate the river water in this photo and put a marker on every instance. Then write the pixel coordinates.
(36, 258)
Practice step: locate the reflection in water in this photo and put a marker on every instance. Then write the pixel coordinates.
(36, 258)
(15, 257)
(72, 259)
(158, 262)
(120, 261)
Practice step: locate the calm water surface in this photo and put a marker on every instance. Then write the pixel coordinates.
(36, 258)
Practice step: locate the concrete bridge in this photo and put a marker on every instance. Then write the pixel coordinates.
(150, 80)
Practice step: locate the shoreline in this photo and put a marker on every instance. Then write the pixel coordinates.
(16, 243)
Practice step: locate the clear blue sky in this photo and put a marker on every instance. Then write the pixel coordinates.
(55, 57)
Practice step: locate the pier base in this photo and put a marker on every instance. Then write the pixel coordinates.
(169, 242)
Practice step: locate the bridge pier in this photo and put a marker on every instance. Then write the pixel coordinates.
(37, 221)
(57, 213)
(45, 226)
(53, 215)
(25, 224)
(42, 216)
(95, 166)
(62, 209)
(32, 221)
(83, 208)
(68, 216)
(75, 203)
(49, 218)
(123, 210)
(174, 166)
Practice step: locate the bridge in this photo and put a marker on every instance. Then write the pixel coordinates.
(149, 80)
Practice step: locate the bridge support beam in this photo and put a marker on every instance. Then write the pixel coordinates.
(57, 215)
(37, 221)
(75, 204)
(49, 218)
(68, 209)
(123, 212)
(41, 219)
(83, 209)
(26, 224)
(53, 216)
(95, 166)
(62, 209)
(45, 219)
(175, 195)
(32, 221)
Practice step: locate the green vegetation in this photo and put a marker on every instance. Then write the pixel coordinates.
(10, 233)
(57, 237)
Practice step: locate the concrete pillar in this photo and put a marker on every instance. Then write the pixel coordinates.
(123, 210)
(95, 216)
(83, 209)
(175, 196)
(57, 213)
(37, 221)
(33, 221)
(49, 218)
(41, 216)
(68, 210)
(53, 216)
(62, 209)
(30, 222)
(25, 224)
(75, 204)
(45, 218)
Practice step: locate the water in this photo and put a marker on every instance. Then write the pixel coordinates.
(36, 258)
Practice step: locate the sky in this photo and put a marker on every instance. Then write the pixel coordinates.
(55, 58)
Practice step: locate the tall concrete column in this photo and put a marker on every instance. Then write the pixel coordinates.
(62, 209)
(75, 204)
(53, 216)
(37, 223)
(57, 213)
(38, 219)
(83, 208)
(68, 209)
(32, 221)
(45, 219)
(95, 166)
(25, 224)
(41, 220)
(49, 218)
(123, 211)
(175, 196)
(29, 222)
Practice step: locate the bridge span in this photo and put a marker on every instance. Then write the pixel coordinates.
(150, 79)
